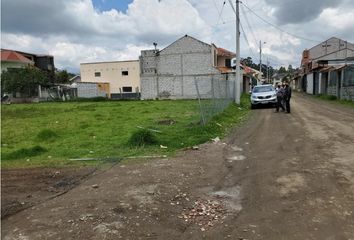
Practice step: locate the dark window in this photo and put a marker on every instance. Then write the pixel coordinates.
(125, 73)
(227, 62)
(127, 89)
(348, 76)
(333, 78)
(97, 74)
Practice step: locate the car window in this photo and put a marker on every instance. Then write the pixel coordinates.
(263, 89)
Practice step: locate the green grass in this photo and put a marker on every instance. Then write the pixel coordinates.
(49, 134)
(335, 100)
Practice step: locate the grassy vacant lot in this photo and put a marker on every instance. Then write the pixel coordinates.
(49, 134)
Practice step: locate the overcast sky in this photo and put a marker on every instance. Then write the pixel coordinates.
(77, 31)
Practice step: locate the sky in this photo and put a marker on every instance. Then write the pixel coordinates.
(81, 31)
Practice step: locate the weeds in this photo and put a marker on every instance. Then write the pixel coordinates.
(46, 135)
(142, 137)
(25, 153)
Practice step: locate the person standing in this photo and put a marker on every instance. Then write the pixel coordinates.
(287, 96)
(280, 94)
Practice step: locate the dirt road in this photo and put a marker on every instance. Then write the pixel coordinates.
(280, 176)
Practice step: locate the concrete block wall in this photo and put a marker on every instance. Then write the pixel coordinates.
(331, 45)
(332, 90)
(347, 93)
(89, 90)
(177, 67)
(185, 87)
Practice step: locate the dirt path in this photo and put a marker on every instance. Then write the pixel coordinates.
(282, 176)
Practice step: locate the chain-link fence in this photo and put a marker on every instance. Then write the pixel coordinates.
(215, 93)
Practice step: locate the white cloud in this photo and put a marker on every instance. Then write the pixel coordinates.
(330, 18)
(74, 31)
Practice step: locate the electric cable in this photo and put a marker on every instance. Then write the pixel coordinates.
(278, 28)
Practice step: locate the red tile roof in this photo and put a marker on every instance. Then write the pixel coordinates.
(225, 53)
(12, 56)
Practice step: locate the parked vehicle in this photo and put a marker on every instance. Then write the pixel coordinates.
(263, 94)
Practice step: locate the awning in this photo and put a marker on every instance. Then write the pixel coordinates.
(332, 68)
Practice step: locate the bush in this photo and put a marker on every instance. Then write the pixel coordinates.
(142, 137)
(26, 152)
(331, 98)
(327, 97)
(46, 135)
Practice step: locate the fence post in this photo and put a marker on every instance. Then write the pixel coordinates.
(200, 104)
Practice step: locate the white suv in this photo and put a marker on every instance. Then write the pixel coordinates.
(263, 94)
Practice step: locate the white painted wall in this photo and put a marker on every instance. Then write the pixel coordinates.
(111, 72)
(309, 87)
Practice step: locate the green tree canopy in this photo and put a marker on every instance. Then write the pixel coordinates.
(62, 76)
(23, 80)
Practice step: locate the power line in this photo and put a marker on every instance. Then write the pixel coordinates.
(220, 12)
(278, 28)
(249, 25)
(245, 37)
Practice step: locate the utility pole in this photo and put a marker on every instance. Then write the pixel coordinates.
(260, 58)
(268, 80)
(238, 56)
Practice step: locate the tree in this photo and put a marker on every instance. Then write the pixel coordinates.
(290, 69)
(23, 80)
(62, 76)
(282, 70)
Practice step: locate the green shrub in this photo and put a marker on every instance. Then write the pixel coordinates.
(25, 152)
(142, 137)
(332, 98)
(47, 135)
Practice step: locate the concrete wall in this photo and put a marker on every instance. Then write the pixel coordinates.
(171, 73)
(178, 87)
(90, 90)
(330, 46)
(111, 72)
(347, 93)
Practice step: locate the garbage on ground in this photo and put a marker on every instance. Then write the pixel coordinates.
(162, 146)
(150, 129)
(216, 140)
(204, 213)
(195, 148)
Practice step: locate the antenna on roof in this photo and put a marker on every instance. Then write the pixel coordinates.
(155, 44)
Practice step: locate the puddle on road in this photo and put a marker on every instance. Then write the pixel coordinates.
(236, 148)
(231, 197)
(236, 158)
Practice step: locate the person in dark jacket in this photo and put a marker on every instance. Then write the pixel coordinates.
(280, 94)
(287, 96)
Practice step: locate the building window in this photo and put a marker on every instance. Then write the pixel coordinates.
(333, 78)
(124, 73)
(127, 89)
(227, 62)
(97, 74)
(348, 76)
